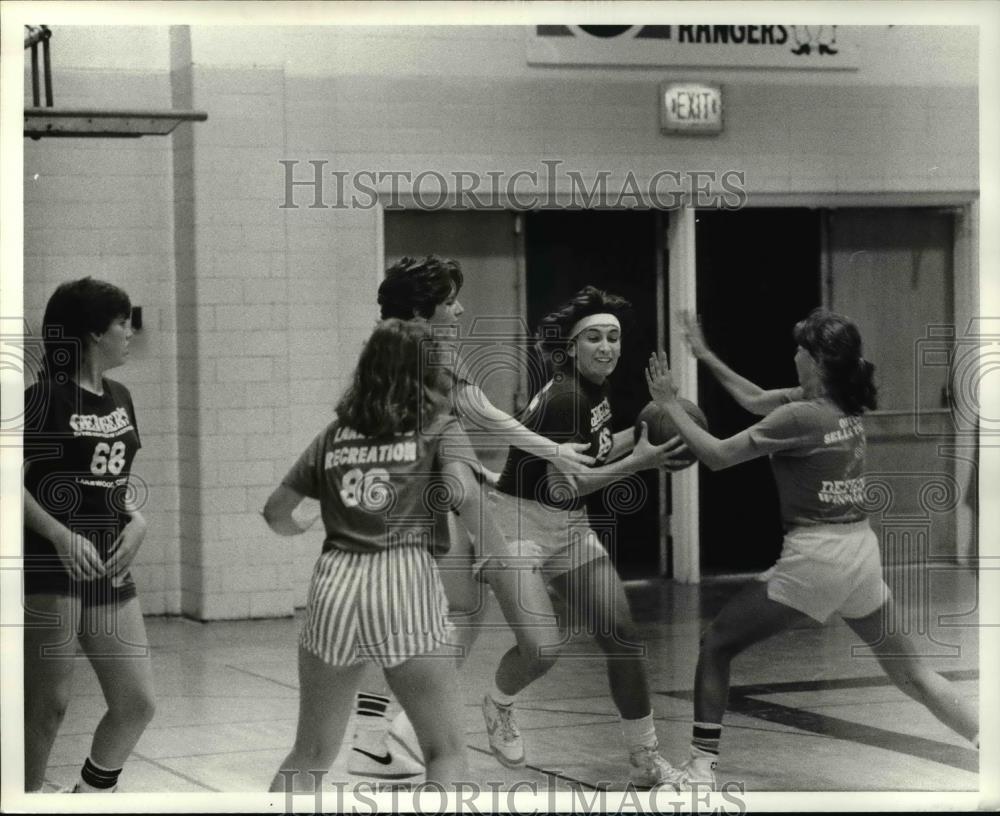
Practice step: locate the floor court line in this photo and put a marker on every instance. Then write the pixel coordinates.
(555, 774)
(746, 700)
(176, 773)
(262, 677)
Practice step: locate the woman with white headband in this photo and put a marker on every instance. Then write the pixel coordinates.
(543, 514)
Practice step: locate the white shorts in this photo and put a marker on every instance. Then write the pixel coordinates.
(383, 607)
(541, 538)
(829, 568)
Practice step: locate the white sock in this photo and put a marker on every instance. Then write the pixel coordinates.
(500, 698)
(640, 733)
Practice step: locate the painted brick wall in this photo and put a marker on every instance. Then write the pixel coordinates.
(101, 208)
(255, 314)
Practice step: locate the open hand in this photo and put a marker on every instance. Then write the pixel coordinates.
(648, 456)
(570, 457)
(678, 457)
(694, 336)
(659, 379)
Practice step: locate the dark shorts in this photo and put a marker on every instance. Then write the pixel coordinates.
(44, 574)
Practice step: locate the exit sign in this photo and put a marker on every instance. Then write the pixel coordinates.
(690, 107)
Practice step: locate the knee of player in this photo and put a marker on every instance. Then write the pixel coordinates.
(137, 706)
(540, 657)
(716, 641)
(45, 711)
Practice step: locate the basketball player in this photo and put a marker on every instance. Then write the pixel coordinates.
(427, 289)
(385, 473)
(543, 513)
(815, 437)
(82, 529)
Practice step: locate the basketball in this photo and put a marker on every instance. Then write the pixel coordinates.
(661, 427)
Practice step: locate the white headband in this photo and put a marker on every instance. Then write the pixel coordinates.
(602, 319)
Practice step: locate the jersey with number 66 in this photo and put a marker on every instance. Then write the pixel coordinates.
(380, 492)
(78, 452)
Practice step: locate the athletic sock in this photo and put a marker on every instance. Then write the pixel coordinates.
(95, 779)
(372, 705)
(640, 733)
(705, 739)
(500, 698)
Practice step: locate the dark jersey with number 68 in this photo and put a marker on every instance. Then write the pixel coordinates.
(78, 452)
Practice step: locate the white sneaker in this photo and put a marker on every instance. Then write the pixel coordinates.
(649, 770)
(385, 764)
(403, 738)
(372, 757)
(502, 731)
(698, 773)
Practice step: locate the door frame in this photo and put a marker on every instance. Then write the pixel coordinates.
(680, 286)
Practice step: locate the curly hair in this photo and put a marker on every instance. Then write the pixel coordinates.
(414, 287)
(399, 383)
(76, 309)
(552, 338)
(834, 342)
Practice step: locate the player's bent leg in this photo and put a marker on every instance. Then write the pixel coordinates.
(596, 597)
(596, 600)
(900, 661)
(747, 618)
(427, 687)
(50, 623)
(524, 600)
(326, 695)
(113, 636)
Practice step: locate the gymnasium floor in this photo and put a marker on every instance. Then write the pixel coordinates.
(805, 714)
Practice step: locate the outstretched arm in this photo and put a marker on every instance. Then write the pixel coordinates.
(644, 456)
(714, 453)
(478, 412)
(749, 395)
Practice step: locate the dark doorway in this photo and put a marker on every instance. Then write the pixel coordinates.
(616, 251)
(758, 274)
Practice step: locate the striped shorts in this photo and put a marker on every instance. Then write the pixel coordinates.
(382, 607)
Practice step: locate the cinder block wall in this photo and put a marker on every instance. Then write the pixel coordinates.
(255, 313)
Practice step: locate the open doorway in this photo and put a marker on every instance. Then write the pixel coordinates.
(758, 273)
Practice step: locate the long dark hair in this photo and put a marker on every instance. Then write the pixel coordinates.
(552, 338)
(399, 384)
(76, 309)
(834, 342)
(414, 287)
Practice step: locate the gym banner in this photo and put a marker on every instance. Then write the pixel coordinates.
(708, 46)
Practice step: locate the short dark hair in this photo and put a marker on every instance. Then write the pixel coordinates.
(399, 383)
(76, 309)
(834, 342)
(414, 287)
(552, 337)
